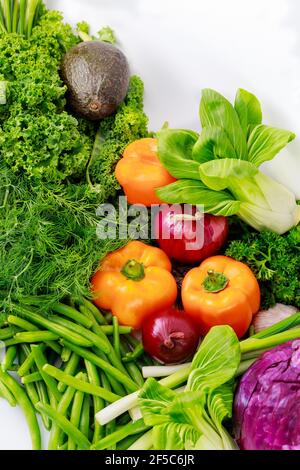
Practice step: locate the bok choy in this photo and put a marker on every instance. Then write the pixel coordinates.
(192, 419)
(219, 168)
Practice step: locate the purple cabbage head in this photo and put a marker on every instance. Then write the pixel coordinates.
(267, 402)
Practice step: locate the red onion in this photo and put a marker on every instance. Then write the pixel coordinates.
(189, 238)
(170, 336)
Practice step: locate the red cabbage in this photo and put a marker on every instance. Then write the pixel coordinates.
(267, 402)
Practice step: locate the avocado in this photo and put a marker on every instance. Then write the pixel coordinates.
(97, 77)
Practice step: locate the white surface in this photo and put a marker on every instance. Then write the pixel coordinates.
(179, 47)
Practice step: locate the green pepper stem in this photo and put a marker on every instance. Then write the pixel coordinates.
(215, 282)
(133, 270)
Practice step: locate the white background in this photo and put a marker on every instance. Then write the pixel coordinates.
(179, 47)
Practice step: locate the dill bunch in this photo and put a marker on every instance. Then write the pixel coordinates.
(48, 242)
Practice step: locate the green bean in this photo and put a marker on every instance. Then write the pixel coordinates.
(41, 361)
(44, 398)
(7, 395)
(62, 332)
(36, 336)
(27, 326)
(70, 369)
(66, 354)
(30, 378)
(89, 306)
(79, 384)
(112, 356)
(84, 425)
(94, 379)
(9, 358)
(7, 333)
(116, 336)
(132, 368)
(12, 342)
(116, 386)
(111, 428)
(75, 415)
(28, 410)
(72, 313)
(65, 425)
(21, 323)
(80, 330)
(132, 356)
(13, 368)
(29, 362)
(106, 367)
(62, 408)
(32, 393)
(109, 329)
(128, 430)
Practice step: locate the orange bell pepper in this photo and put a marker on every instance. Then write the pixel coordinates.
(140, 172)
(221, 291)
(134, 282)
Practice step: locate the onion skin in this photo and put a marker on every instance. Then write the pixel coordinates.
(183, 233)
(170, 336)
(266, 318)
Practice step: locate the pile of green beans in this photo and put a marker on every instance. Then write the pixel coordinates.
(71, 363)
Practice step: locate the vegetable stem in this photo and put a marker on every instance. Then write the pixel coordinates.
(79, 384)
(252, 344)
(65, 425)
(125, 431)
(28, 410)
(105, 366)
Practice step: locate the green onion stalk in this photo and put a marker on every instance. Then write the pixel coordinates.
(19, 16)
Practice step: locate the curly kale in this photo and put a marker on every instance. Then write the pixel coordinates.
(275, 260)
(37, 135)
(116, 132)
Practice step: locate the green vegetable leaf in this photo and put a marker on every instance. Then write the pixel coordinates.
(196, 193)
(154, 402)
(265, 142)
(213, 143)
(107, 34)
(218, 174)
(175, 147)
(216, 361)
(175, 436)
(248, 109)
(216, 111)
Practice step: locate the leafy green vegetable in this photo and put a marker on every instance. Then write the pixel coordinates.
(106, 34)
(53, 172)
(116, 132)
(265, 142)
(37, 136)
(225, 159)
(275, 261)
(48, 242)
(193, 419)
(248, 109)
(215, 110)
